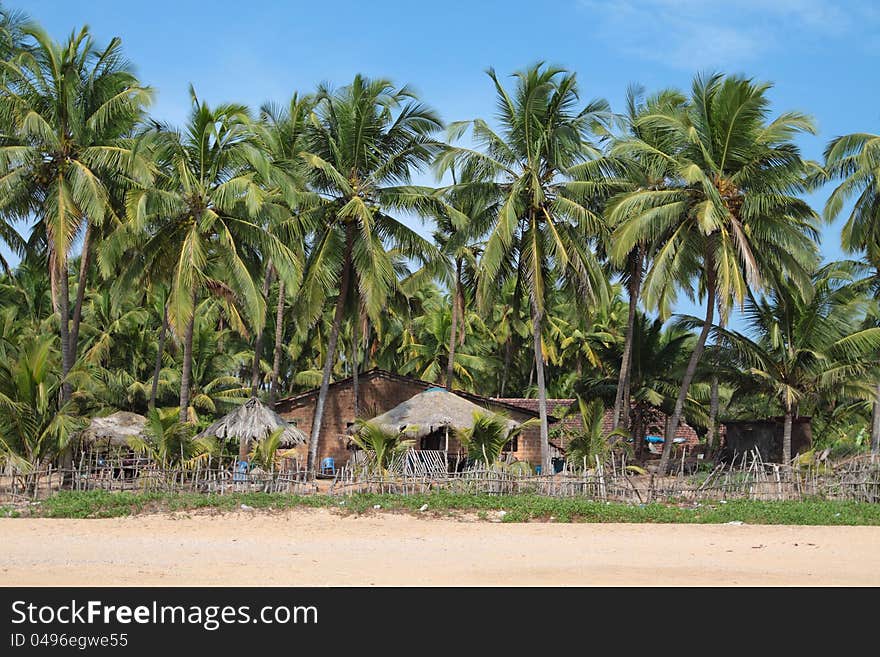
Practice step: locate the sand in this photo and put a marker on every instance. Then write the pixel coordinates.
(320, 547)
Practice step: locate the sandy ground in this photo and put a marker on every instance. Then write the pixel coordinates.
(320, 547)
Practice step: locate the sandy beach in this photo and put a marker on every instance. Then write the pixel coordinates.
(320, 548)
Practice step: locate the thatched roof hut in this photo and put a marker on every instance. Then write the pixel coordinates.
(114, 430)
(429, 411)
(252, 421)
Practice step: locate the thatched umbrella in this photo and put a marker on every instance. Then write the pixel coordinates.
(116, 429)
(428, 411)
(253, 420)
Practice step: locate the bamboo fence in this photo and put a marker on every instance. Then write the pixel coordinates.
(748, 477)
(139, 475)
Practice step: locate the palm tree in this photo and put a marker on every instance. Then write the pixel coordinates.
(160, 296)
(113, 368)
(68, 110)
(108, 318)
(854, 160)
(264, 451)
(807, 347)
(537, 167)
(458, 308)
(427, 349)
(28, 293)
(730, 219)
(13, 39)
(33, 428)
(171, 442)
(486, 438)
(214, 386)
(202, 224)
(282, 132)
(581, 344)
(638, 169)
(508, 320)
(461, 249)
(364, 143)
(658, 362)
(381, 446)
(590, 442)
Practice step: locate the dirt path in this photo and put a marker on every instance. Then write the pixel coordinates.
(319, 547)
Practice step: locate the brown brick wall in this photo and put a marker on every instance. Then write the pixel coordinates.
(529, 445)
(377, 395)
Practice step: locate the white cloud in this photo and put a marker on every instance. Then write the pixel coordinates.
(686, 33)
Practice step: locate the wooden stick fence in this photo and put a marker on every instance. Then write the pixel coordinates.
(747, 478)
(94, 472)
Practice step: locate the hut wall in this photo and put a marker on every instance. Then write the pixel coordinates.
(765, 435)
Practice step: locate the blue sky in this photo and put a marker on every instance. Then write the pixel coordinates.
(821, 56)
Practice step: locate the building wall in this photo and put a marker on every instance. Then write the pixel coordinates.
(529, 443)
(742, 436)
(377, 395)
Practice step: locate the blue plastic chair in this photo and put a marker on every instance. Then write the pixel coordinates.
(327, 465)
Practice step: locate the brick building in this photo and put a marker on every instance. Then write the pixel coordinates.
(378, 392)
(557, 408)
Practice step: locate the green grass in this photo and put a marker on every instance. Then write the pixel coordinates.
(517, 508)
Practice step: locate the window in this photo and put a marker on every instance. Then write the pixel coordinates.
(512, 445)
(433, 441)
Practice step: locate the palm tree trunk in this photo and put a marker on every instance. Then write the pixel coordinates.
(638, 434)
(186, 374)
(626, 405)
(621, 413)
(279, 336)
(786, 439)
(508, 355)
(537, 316)
(875, 423)
(163, 332)
(711, 434)
(675, 420)
(331, 352)
(355, 383)
(453, 328)
(84, 264)
(5, 265)
(62, 308)
(64, 330)
(258, 342)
